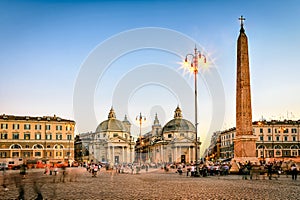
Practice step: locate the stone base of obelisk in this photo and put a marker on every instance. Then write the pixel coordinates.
(244, 151)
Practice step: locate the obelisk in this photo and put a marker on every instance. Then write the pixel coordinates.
(245, 141)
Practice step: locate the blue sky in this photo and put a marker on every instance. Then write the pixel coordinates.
(45, 43)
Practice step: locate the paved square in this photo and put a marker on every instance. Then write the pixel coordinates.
(155, 184)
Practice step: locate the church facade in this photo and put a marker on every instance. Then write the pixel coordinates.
(174, 142)
(111, 142)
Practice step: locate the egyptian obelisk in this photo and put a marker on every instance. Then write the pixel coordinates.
(245, 141)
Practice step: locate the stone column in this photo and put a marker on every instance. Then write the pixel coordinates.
(161, 154)
(108, 154)
(113, 154)
(189, 154)
(123, 158)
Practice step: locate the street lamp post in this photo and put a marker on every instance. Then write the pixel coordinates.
(194, 68)
(140, 119)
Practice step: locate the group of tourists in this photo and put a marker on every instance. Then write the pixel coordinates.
(93, 168)
(203, 169)
(271, 169)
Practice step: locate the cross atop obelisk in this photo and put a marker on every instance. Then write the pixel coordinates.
(242, 19)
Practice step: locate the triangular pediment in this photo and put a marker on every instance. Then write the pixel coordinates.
(183, 140)
(117, 139)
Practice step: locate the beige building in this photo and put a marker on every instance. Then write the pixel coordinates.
(174, 142)
(274, 139)
(111, 142)
(36, 138)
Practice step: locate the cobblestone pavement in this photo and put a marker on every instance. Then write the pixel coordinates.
(155, 184)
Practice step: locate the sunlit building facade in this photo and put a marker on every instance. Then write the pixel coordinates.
(48, 138)
(275, 139)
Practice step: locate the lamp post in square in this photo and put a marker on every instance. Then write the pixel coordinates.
(192, 62)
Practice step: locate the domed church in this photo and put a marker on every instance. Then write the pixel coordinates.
(175, 142)
(112, 141)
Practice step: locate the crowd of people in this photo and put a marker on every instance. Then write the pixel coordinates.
(202, 169)
(271, 169)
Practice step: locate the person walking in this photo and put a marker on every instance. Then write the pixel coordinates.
(270, 167)
(192, 170)
(294, 171)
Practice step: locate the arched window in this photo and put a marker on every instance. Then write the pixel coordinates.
(277, 147)
(58, 146)
(15, 146)
(261, 147)
(294, 147)
(38, 146)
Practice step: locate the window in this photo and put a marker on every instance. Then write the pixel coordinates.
(37, 154)
(294, 153)
(16, 126)
(26, 154)
(104, 135)
(27, 126)
(26, 136)
(294, 130)
(294, 138)
(181, 134)
(3, 154)
(115, 135)
(261, 138)
(49, 137)
(38, 136)
(69, 137)
(15, 136)
(4, 126)
(59, 136)
(269, 130)
(4, 136)
(261, 153)
(269, 138)
(27, 146)
(58, 127)
(285, 138)
(169, 135)
(68, 128)
(15, 146)
(261, 130)
(38, 146)
(38, 127)
(278, 152)
(15, 154)
(277, 138)
(59, 153)
(59, 147)
(48, 126)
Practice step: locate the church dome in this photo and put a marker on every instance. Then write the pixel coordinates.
(111, 124)
(178, 123)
